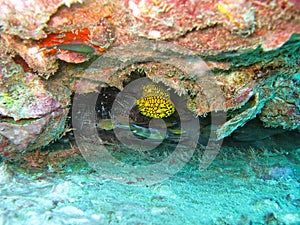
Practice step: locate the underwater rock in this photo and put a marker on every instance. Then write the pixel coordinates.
(32, 112)
(283, 110)
(29, 34)
(32, 16)
(30, 54)
(267, 24)
(235, 25)
(237, 57)
(241, 92)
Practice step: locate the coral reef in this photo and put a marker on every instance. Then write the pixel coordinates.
(241, 92)
(187, 23)
(32, 17)
(239, 57)
(283, 110)
(32, 114)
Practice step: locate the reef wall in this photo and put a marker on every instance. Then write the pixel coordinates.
(239, 57)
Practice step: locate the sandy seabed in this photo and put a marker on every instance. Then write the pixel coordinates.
(243, 185)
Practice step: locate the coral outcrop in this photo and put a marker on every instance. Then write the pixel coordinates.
(238, 57)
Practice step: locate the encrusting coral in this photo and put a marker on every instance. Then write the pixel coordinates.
(249, 48)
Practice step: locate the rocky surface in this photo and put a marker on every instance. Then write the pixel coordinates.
(237, 57)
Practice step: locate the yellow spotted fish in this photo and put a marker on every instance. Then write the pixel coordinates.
(155, 102)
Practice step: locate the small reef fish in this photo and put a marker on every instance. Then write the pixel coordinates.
(81, 48)
(108, 124)
(105, 124)
(176, 131)
(151, 133)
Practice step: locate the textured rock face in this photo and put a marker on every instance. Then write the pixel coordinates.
(27, 19)
(32, 113)
(208, 27)
(248, 50)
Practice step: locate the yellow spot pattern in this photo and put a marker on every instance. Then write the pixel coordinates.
(155, 102)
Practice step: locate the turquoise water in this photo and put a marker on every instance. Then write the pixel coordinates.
(172, 173)
(243, 185)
